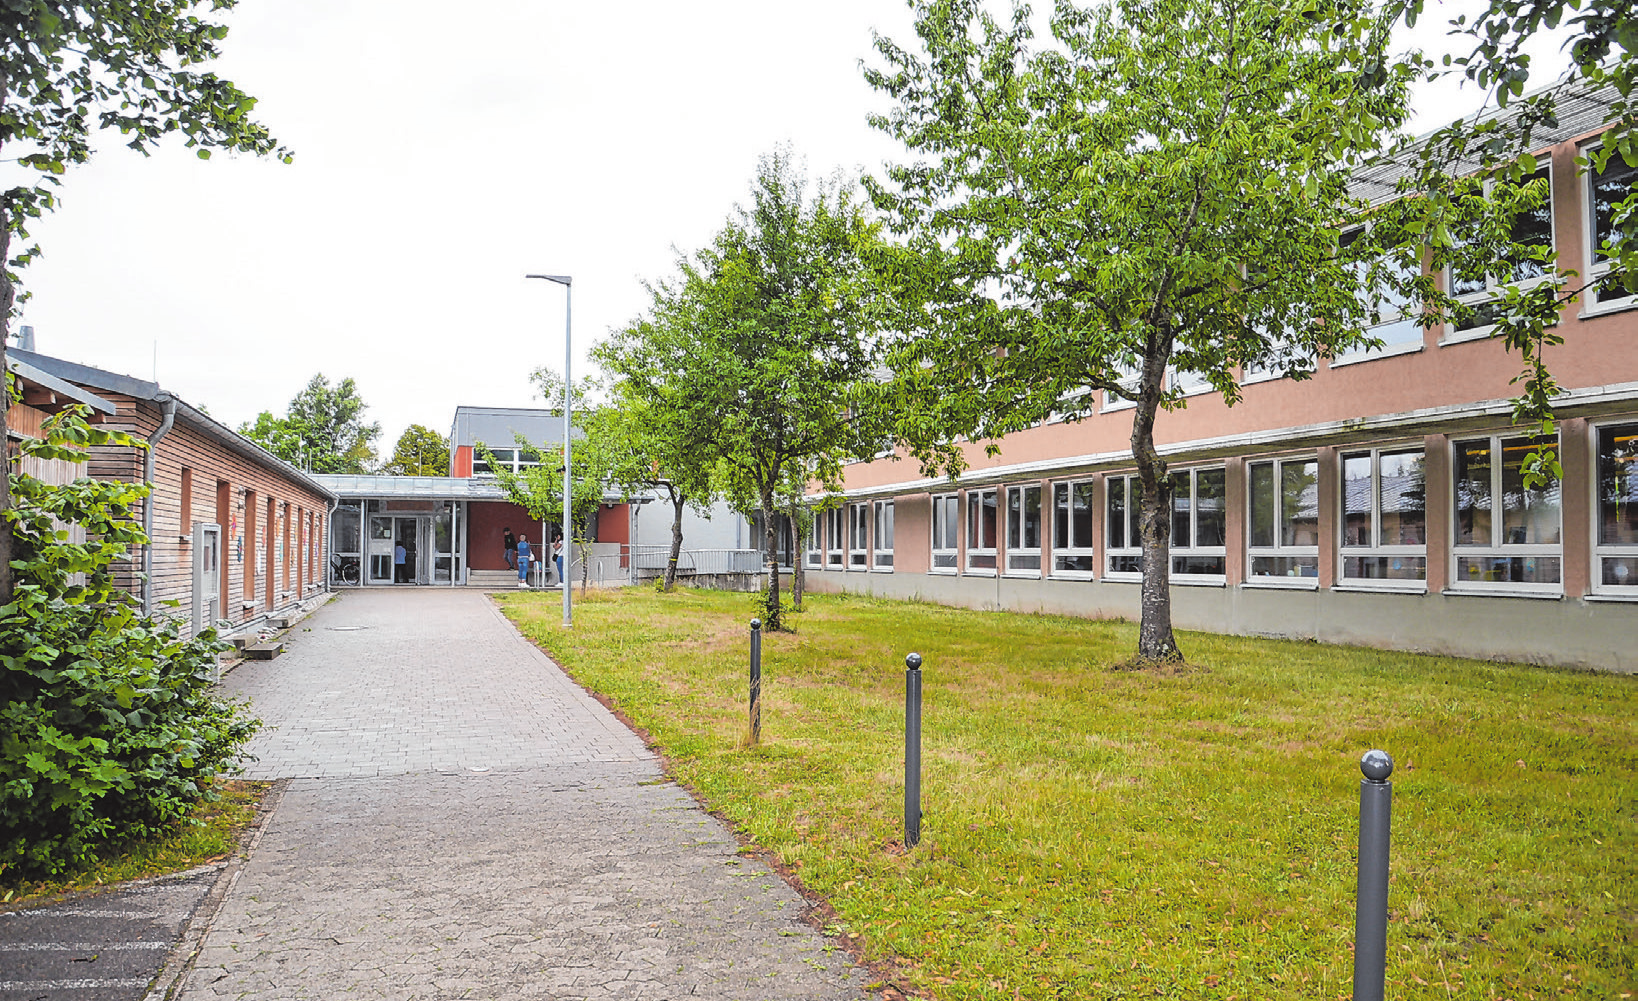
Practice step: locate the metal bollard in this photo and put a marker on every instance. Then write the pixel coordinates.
(756, 681)
(912, 750)
(1371, 914)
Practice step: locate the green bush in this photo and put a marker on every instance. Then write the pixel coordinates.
(108, 728)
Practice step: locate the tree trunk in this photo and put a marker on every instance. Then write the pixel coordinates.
(585, 557)
(7, 296)
(798, 559)
(676, 538)
(772, 620)
(1155, 640)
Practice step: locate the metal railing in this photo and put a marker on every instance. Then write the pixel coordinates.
(691, 562)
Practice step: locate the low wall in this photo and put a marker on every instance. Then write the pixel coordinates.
(1564, 632)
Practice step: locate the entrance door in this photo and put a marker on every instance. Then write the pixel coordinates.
(207, 576)
(381, 555)
(407, 535)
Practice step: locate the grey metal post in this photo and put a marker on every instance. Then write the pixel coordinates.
(568, 402)
(912, 750)
(1371, 914)
(756, 681)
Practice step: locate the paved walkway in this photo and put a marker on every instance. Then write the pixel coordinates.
(467, 823)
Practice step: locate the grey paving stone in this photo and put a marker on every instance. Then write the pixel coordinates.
(565, 868)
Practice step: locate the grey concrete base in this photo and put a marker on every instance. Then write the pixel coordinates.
(1567, 632)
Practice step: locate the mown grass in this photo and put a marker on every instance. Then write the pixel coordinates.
(1098, 833)
(212, 830)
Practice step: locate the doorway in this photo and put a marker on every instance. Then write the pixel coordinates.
(389, 534)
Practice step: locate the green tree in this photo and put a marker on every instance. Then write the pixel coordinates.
(420, 451)
(1158, 188)
(323, 430)
(767, 334)
(68, 69)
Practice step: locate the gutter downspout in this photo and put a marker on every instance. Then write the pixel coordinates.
(165, 425)
(330, 541)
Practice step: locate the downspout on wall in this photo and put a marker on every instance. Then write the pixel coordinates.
(169, 403)
(330, 541)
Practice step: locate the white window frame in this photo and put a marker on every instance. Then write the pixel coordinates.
(1592, 304)
(815, 552)
(946, 508)
(1187, 383)
(1075, 547)
(835, 538)
(1019, 552)
(1130, 492)
(1279, 549)
(1375, 548)
(1608, 550)
(1493, 286)
(1497, 549)
(858, 536)
(1127, 378)
(1192, 549)
(1391, 349)
(881, 536)
(980, 547)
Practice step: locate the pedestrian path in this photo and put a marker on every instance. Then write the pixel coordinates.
(464, 822)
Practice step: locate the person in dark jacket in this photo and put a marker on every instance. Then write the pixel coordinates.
(511, 543)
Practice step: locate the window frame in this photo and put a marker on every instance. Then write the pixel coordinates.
(1451, 335)
(1111, 552)
(1194, 549)
(1600, 550)
(975, 526)
(944, 506)
(1071, 550)
(814, 552)
(1592, 304)
(881, 557)
(1375, 549)
(1500, 550)
(835, 539)
(1391, 349)
(1022, 551)
(858, 536)
(1278, 548)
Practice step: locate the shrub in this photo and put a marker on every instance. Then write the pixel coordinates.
(108, 728)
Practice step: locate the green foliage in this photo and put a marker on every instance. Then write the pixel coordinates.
(108, 729)
(420, 451)
(323, 430)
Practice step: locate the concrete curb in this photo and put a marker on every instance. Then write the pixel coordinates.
(183, 956)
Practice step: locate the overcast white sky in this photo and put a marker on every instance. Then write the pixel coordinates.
(442, 151)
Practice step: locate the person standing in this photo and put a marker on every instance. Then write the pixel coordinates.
(398, 563)
(557, 557)
(511, 543)
(523, 560)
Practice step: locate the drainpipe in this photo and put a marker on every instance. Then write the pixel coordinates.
(330, 541)
(169, 403)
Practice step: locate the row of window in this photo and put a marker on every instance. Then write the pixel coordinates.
(1505, 536)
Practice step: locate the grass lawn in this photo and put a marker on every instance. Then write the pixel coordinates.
(220, 825)
(1099, 833)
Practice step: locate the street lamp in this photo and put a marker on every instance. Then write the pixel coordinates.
(568, 395)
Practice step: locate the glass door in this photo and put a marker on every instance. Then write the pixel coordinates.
(381, 550)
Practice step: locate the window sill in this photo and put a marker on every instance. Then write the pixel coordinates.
(1502, 591)
(978, 572)
(858, 569)
(1199, 580)
(1622, 597)
(1071, 575)
(881, 569)
(1282, 583)
(1022, 575)
(1386, 351)
(1363, 587)
(1121, 577)
(943, 572)
(1596, 309)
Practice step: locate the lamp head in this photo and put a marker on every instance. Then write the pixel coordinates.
(560, 279)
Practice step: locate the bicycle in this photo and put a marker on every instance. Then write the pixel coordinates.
(345, 571)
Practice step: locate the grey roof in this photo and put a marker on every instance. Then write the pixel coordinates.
(411, 487)
(140, 389)
(498, 427)
(40, 377)
(1579, 111)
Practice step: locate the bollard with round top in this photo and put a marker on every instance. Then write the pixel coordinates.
(756, 681)
(912, 750)
(1371, 909)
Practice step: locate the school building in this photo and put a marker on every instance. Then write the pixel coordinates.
(1380, 502)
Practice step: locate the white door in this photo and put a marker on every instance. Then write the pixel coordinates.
(207, 576)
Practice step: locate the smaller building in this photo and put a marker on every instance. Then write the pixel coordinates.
(236, 534)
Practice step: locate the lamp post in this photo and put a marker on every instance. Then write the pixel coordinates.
(568, 395)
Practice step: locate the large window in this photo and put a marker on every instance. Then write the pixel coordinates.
(883, 558)
(1615, 562)
(1532, 228)
(1506, 535)
(981, 531)
(1024, 530)
(858, 536)
(1282, 511)
(1199, 528)
(1605, 191)
(514, 460)
(1384, 517)
(834, 529)
(946, 532)
(1391, 318)
(1072, 553)
(815, 550)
